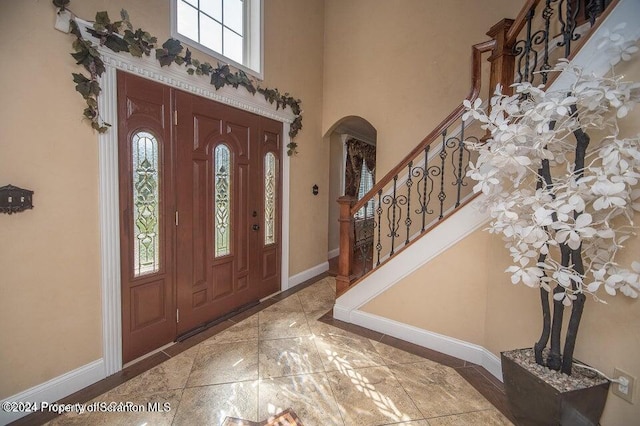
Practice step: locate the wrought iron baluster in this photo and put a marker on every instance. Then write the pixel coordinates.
(392, 227)
(568, 22)
(443, 156)
(522, 50)
(460, 177)
(593, 9)
(425, 202)
(547, 13)
(394, 212)
(379, 225)
(408, 220)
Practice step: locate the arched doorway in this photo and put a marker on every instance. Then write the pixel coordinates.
(347, 131)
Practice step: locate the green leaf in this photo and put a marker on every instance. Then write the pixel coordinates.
(92, 102)
(173, 46)
(102, 18)
(81, 57)
(190, 71)
(62, 4)
(79, 78)
(98, 66)
(116, 43)
(135, 50)
(124, 15)
(73, 26)
(84, 89)
(90, 113)
(94, 88)
(217, 79)
(163, 57)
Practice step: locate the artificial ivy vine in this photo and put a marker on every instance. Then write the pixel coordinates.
(119, 36)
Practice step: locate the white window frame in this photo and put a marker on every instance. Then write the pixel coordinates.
(367, 211)
(253, 39)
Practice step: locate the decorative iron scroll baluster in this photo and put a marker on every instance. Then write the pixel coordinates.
(443, 156)
(423, 198)
(547, 13)
(594, 8)
(459, 175)
(379, 225)
(526, 50)
(568, 21)
(394, 213)
(408, 220)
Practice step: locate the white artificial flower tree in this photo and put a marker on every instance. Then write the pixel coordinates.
(564, 203)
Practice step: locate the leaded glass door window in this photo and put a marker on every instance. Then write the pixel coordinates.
(222, 200)
(146, 201)
(270, 197)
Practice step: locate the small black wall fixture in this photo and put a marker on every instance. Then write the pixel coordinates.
(315, 189)
(14, 199)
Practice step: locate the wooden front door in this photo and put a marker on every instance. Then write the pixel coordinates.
(199, 211)
(147, 206)
(228, 209)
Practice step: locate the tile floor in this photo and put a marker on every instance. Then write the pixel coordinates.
(282, 357)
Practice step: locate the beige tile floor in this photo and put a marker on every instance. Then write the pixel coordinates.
(283, 357)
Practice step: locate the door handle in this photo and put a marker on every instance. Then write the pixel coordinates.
(255, 227)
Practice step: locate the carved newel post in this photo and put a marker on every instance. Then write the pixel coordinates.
(343, 280)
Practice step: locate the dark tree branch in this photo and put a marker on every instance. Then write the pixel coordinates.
(544, 180)
(582, 141)
(554, 360)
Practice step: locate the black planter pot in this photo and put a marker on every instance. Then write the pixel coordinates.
(534, 402)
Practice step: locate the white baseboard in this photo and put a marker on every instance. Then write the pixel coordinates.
(333, 253)
(56, 388)
(427, 339)
(492, 363)
(303, 276)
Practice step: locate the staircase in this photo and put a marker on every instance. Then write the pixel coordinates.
(425, 204)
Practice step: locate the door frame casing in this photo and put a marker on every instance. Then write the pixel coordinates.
(176, 77)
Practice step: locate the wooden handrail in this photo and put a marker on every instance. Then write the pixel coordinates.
(520, 20)
(476, 77)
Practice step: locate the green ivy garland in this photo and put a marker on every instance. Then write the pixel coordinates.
(119, 36)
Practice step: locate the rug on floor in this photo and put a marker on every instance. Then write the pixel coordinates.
(286, 418)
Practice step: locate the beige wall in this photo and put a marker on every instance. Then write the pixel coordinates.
(401, 65)
(443, 296)
(335, 190)
(49, 257)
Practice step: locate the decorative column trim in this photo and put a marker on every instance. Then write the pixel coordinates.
(286, 203)
(110, 226)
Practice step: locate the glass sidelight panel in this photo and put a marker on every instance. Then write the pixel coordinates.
(222, 201)
(146, 201)
(270, 174)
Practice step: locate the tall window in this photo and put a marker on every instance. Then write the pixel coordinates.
(366, 183)
(230, 30)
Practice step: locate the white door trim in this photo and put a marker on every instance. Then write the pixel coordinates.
(176, 77)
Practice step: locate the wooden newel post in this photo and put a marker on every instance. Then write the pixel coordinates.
(343, 280)
(502, 57)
